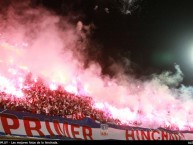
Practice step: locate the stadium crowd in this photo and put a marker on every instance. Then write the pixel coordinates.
(40, 99)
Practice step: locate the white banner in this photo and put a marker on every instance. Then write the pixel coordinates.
(29, 125)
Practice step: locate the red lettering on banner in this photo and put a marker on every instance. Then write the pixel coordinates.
(74, 132)
(80, 115)
(164, 135)
(181, 135)
(11, 124)
(145, 136)
(7, 127)
(153, 135)
(171, 137)
(58, 128)
(176, 136)
(137, 134)
(74, 117)
(83, 116)
(87, 132)
(129, 134)
(48, 128)
(29, 129)
(65, 130)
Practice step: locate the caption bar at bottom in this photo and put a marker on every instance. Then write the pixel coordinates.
(28, 142)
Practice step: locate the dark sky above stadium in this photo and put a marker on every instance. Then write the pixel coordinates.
(153, 35)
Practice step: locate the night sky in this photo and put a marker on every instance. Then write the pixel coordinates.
(156, 35)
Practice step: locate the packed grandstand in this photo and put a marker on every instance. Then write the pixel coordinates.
(40, 99)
